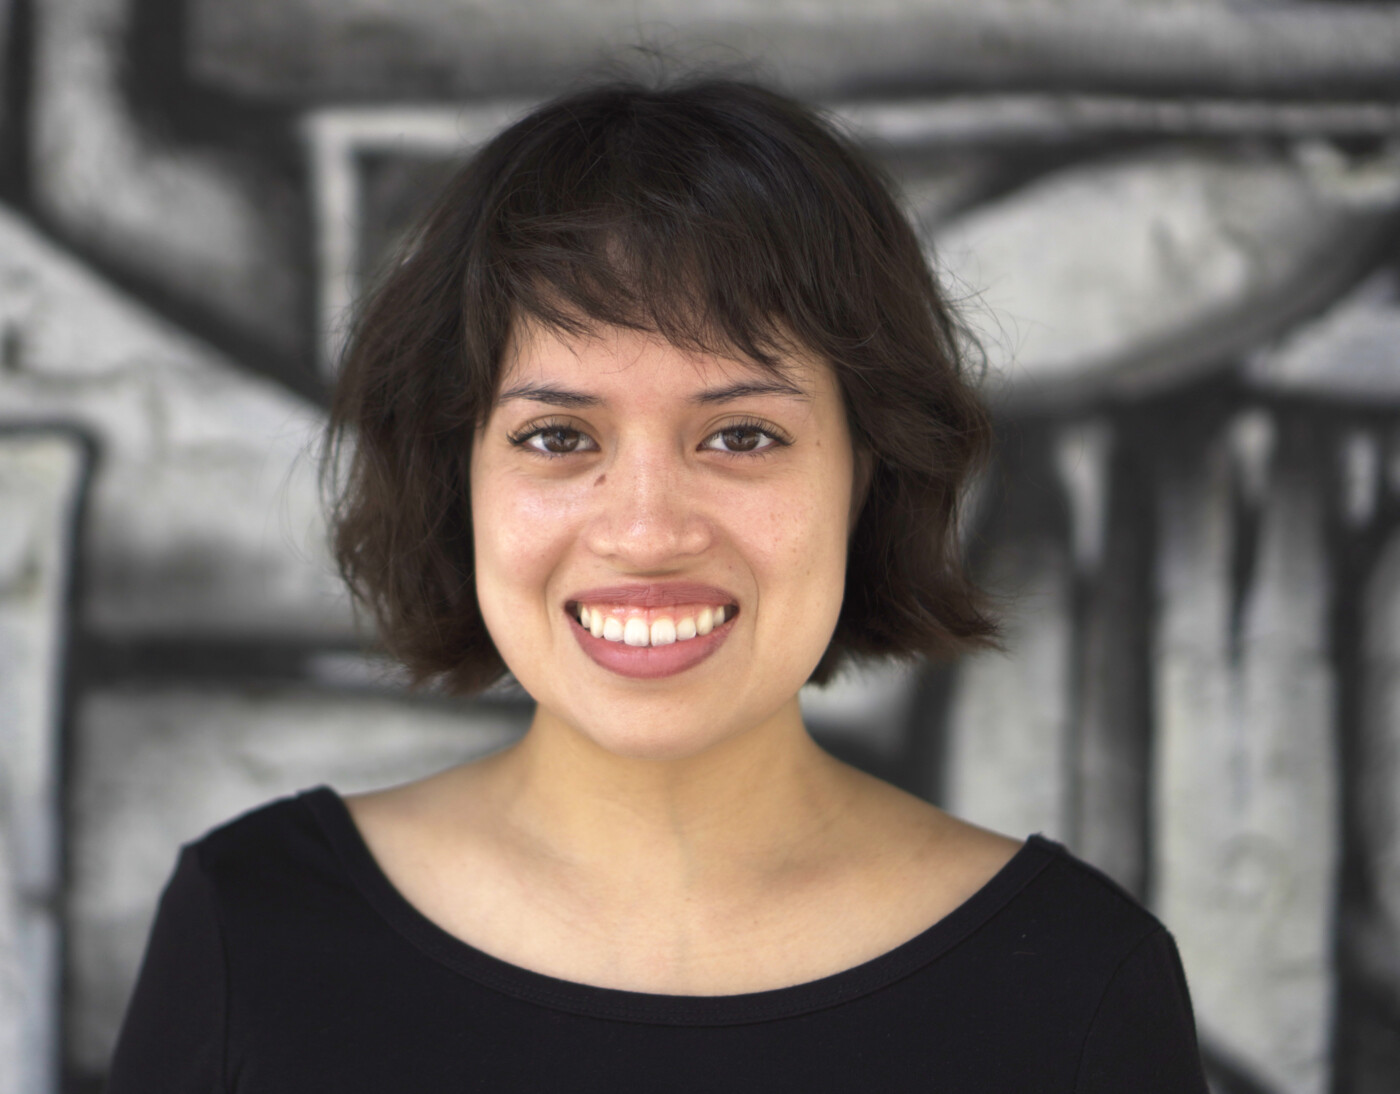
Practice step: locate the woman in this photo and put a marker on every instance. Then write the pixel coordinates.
(661, 412)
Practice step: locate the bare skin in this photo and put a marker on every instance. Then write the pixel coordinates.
(765, 883)
(681, 835)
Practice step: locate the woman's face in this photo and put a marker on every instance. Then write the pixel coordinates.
(660, 535)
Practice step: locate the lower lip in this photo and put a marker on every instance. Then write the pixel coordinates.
(649, 662)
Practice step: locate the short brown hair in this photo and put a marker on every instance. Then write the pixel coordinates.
(722, 216)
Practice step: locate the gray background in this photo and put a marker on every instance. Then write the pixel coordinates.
(1173, 222)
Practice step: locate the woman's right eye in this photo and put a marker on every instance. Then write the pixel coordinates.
(555, 440)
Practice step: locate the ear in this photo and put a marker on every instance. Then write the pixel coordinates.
(863, 473)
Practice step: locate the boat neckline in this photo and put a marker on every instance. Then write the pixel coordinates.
(338, 825)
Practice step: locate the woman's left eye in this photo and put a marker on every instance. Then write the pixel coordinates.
(741, 439)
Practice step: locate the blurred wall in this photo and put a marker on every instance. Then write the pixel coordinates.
(1173, 223)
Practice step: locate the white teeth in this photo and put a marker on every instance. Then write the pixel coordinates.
(662, 632)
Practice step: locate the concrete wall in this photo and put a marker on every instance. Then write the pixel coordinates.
(1173, 224)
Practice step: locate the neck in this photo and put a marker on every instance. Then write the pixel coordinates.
(731, 816)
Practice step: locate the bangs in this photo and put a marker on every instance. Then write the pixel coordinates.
(703, 234)
(641, 286)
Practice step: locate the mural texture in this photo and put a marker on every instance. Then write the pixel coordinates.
(1174, 226)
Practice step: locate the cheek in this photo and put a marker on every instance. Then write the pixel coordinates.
(520, 532)
(800, 544)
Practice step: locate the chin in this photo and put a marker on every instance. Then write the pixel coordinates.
(654, 739)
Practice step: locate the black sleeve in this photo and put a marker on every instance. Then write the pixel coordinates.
(1143, 1036)
(172, 1039)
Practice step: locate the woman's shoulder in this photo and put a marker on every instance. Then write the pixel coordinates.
(1038, 887)
(267, 822)
(279, 845)
(1082, 885)
(1068, 907)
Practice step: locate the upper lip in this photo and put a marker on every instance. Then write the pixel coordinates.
(657, 594)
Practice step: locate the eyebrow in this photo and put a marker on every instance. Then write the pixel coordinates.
(746, 388)
(574, 400)
(555, 396)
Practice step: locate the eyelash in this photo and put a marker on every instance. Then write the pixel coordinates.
(522, 438)
(752, 425)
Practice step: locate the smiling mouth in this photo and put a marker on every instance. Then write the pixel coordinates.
(640, 627)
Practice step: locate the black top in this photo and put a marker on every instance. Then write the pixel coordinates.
(283, 960)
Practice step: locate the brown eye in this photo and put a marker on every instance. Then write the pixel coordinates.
(742, 438)
(558, 440)
(555, 440)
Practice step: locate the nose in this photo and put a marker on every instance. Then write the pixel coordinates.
(646, 512)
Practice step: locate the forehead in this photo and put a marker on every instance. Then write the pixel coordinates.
(618, 360)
